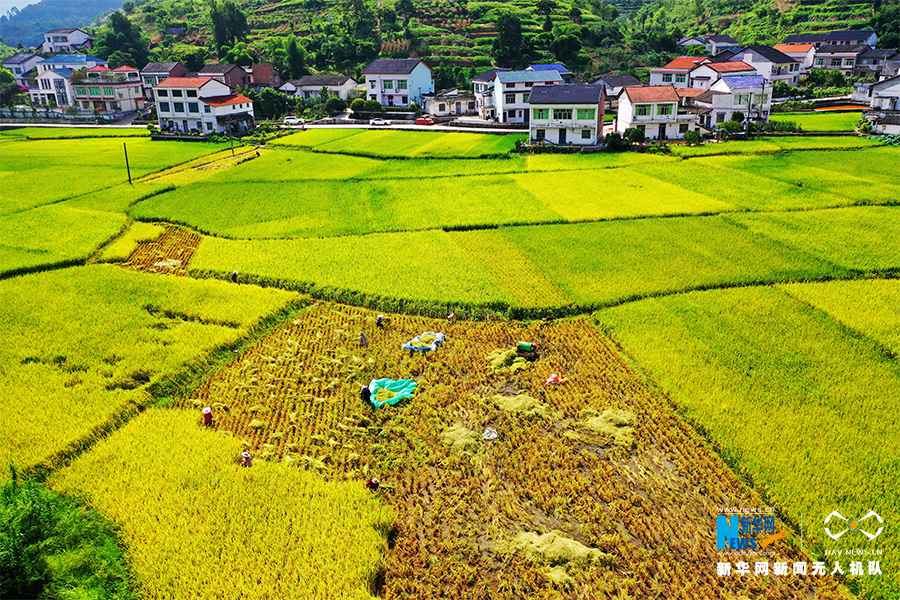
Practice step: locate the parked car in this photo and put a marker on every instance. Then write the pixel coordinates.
(425, 120)
(378, 121)
(292, 120)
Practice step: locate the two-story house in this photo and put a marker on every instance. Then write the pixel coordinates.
(750, 95)
(231, 75)
(804, 54)
(770, 63)
(109, 90)
(877, 62)
(613, 84)
(850, 37)
(838, 58)
(884, 114)
(706, 74)
(398, 82)
(20, 64)
(676, 72)
(263, 75)
(157, 72)
(66, 40)
(201, 104)
(52, 84)
(309, 87)
(512, 90)
(567, 114)
(483, 88)
(655, 111)
(718, 43)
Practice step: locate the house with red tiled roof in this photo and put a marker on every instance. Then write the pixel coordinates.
(706, 74)
(802, 53)
(201, 105)
(656, 111)
(676, 72)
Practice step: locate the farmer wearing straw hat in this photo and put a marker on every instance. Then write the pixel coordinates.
(372, 484)
(233, 276)
(207, 416)
(379, 321)
(246, 459)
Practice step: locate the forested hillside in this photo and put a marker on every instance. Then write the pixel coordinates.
(27, 26)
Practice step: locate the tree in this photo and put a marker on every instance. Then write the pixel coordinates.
(507, 45)
(193, 59)
(122, 43)
(358, 105)
(405, 8)
(575, 15)
(565, 47)
(548, 24)
(335, 105)
(9, 89)
(545, 7)
(240, 55)
(635, 135)
(693, 137)
(296, 57)
(229, 24)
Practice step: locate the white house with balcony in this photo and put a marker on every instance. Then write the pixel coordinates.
(838, 58)
(66, 40)
(398, 82)
(655, 111)
(483, 88)
(676, 72)
(772, 64)
(884, 114)
(53, 85)
(750, 95)
(109, 90)
(20, 64)
(202, 105)
(512, 91)
(805, 54)
(567, 114)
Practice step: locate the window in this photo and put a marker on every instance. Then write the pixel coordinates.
(207, 109)
(741, 99)
(193, 107)
(760, 98)
(720, 117)
(510, 98)
(562, 114)
(401, 84)
(86, 104)
(680, 78)
(795, 67)
(641, 110)
(372, 85)
(209, 126)
(403, 99)
(664, 109)
(585, 134)
(81, 91)
(529, 84)
(108, 91)
(540, 113)
(191, 93)
(835, 62)
(525, 98)
(667, 78)
(45, 84)
(442, 107)
(471, 106)
(388, 84)
(848, 62)
(539, 134)
(94, 91)
(585, 114)
(149, 80)
(17, 70)
(178, 107)
(163, 107)
(162, 93)
(137, 90)
(820, 62)
(683, 128)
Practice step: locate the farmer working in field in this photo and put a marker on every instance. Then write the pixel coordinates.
(246, 459)
(365, 393)
(207, 416)
(363, 341)
(233, 276)
(379, 321)
(372, 484)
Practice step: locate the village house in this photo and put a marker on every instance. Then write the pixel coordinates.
(203, 105)
(877, 62)
(52, 85)
(558, 67)
(706, 74)
(655, 111)
(613, 84)
(712, 43)
(567, 114)
(749, 94)
(309, 87)
(770, 63)
(838, 58)
(512, 90)
(398, 82)
(109, 90)
(676, 72)
(483, 88)
(262, 75)
(20, 64)
(884, 114)
(231, 75)
(693, 40)
(802, 53)
(447, 103)
(157, 72)
(66, 40)
(851, 37)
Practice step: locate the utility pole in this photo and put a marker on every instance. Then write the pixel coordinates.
(127, 166)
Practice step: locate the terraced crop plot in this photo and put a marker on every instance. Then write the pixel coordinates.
(601, 459)
(821, 121)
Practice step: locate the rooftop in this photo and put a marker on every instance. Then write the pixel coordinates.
(619, 80)
(690, 92)
(226, 100)
(72, 59)
(685, 63)
(770, 54)
(558, 67)
(64, 30)
(488, 76)
(321, 80)
(721, 39)
(160, 67)
(566, 94)
(528, 76)
(786, 48)
(19, 58)
(736, 66)
(657, 93)
(219, 69)
(833, 49)
(183, 82)
(745, 81)
(392, 66)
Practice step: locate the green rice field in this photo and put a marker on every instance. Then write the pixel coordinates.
(821, 121)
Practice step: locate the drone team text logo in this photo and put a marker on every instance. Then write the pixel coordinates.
(852, 525)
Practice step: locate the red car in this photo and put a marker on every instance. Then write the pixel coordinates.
(425, 120)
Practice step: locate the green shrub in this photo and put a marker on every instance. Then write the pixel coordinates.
(635, 135)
